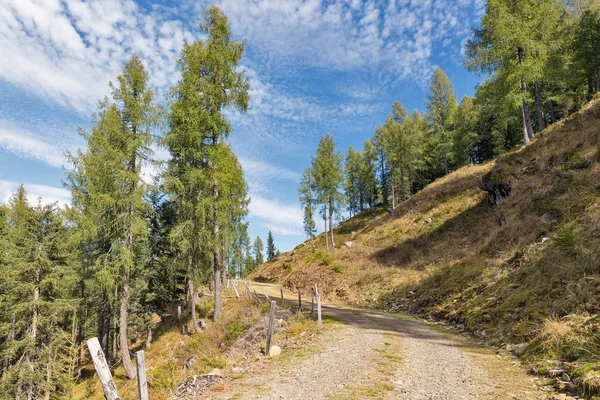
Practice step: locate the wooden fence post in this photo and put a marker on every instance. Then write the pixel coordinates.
(270, 328)
(99, 359)
(320, 323)
(282, 294)
(299, 301)
(179, 312)
(312, 307)
(234, 285)
(140, 364)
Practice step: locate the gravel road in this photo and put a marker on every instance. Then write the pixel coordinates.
(430, 365)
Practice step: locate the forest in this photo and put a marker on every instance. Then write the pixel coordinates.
(129, 247)
(535, 75)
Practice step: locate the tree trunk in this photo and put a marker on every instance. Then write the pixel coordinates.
(527, 129)
(123, 339)
(216, 258)
(445, 162)
(402, 187)
(325, 230)
(538, 107)
(552, 113)
(384, 193)
(148, 335)
(192, 293)
(115, 335)
(331, 223)
(223, 265)
(590, 81)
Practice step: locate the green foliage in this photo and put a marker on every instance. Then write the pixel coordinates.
(258, 251)
(271, 250)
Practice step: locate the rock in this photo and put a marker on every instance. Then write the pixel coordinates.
(521, 349)
(496, 184)
(487, 317)
(545, 239)
(428, 221)
(275, 351)
(348, 244)
(565, 377)
(215, 373)
(189, 362)
(236, 370)
(547, 218)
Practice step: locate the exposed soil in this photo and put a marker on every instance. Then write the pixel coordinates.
(377, 355)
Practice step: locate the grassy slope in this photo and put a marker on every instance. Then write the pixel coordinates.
(445, 254)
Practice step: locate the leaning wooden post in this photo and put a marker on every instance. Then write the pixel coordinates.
(299, 301)
(320, 323)
(234, 285)
(270, 328)
(99, 359)
(140, 364)
(282, 294)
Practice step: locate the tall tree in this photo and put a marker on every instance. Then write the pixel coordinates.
(308, 200)
(210, 82)
(441, 112)
(327, 166)
(107, 185)
(258, 251)
(514, 42)
(271, 250)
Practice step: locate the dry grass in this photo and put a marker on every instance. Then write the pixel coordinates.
(444, 253)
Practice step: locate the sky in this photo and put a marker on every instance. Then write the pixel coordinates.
(314, 67)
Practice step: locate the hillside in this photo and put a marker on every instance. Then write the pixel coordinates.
(526, 271)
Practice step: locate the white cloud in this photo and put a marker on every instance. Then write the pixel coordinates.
(282, 219)
(45, 194)
(67, 51)
(27, 145)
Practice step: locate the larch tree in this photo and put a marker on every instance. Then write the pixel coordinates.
(441, 113)
(307, 197)
(258, 248)
(210, 83)
(107, 186)
(354, 166)
(514, 41)
(327, 165)
(368, 175)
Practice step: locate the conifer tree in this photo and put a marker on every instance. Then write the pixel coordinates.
(441, 113)
(258, 251)
(37, 292)
(271, 250)
(328, 174)
(210, 83)
(307, 197)
(106, 185)
(514, 42)
(354, 167)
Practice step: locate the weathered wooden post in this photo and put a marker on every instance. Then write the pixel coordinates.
(234, 285)
(312, 307)
(140, 364)
(299, 301)
(282, 294)
(319, 323)
(99, 359)
(270, 328)
(179, 312)
(267, 294)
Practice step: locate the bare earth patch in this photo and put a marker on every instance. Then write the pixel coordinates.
(378, 355)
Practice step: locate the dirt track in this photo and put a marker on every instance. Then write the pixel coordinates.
(377, 355)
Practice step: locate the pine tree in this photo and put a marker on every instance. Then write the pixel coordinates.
(271, 250)
(209, 84)
(258, 251)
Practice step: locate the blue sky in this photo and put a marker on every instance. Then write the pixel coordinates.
(314, 66)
